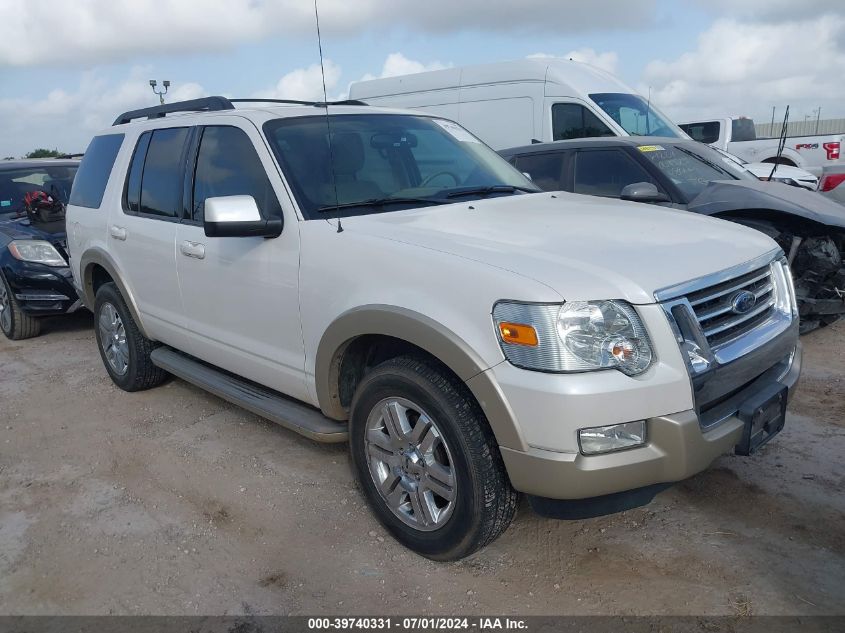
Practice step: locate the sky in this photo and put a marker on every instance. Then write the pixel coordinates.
(67, 69)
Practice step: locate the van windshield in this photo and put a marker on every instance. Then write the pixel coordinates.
(635, 115)
(386, 162)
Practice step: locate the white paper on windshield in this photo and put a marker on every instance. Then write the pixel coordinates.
(457, 132)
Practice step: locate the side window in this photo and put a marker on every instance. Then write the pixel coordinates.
(607, 172)
(132, 192)
(545, 169)
(228, 165)
(707, 132)
(93, 175)
(572, 120)
(161, 181)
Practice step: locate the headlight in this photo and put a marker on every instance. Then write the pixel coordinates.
(573, 337)
(37, 251)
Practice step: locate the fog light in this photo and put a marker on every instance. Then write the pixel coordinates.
(616, 437)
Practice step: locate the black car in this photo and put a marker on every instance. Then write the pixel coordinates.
(35, 280)
(688, 175)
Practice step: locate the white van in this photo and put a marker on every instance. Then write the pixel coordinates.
(517, 102)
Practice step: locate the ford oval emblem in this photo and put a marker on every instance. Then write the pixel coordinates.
(743, 301)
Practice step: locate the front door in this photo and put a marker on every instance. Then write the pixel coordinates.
(241, 294)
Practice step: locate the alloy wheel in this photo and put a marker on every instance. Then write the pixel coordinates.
(5, 308)
(113, 339)
(410, 463)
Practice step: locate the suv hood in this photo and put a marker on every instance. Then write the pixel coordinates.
(581, 246)
(24, 229)
(734, 195)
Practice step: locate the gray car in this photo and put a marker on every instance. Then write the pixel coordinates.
(688, 175)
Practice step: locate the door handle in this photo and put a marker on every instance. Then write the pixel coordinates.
(192, 249)
(118, 232)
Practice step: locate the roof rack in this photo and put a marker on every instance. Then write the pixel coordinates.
(215, 104)
(316, 104)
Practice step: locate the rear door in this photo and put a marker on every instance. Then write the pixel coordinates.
(241, 294)
(142, 234)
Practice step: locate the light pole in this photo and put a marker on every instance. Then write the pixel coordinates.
(160, 93)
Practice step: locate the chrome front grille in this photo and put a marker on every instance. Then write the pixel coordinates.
(724, 316)
(716, 311)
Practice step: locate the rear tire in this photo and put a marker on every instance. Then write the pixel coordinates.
(427, 460)
(124, 350)
(14, 322)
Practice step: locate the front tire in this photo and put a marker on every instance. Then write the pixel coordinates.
(124, 350)
(427, 460)
(14, 322)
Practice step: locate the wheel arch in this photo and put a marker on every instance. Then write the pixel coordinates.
(351, 339)
(97, 267)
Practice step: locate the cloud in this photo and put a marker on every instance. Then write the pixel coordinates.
(304, 84)
(746, 68)
(67, 119)
(606, 61)
(397, 64)
(772, 10)
(101, 31)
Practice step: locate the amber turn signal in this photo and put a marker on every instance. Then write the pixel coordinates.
(518, 334)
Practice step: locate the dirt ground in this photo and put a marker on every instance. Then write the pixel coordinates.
(172, 501)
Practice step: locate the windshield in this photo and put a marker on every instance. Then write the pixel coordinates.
(693, 166)
(636, 116)
(16, 183)
(386, 162)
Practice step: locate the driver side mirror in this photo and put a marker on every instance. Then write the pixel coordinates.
(237, 216)
(643, 192)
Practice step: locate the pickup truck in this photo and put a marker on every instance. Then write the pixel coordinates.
(383, 278)
(738, 136)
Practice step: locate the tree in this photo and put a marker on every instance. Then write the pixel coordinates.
(43, 153)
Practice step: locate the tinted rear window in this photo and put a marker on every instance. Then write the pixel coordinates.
(743, 130)
(94, 172)
(707, 132)
(161, 184)
(545, 169)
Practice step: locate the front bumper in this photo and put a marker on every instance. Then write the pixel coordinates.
(679, 446)
(41, 290)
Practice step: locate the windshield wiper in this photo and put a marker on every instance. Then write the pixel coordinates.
(378, 202)
(484, 191)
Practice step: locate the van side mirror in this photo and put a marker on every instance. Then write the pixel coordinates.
(643, 192)
(237, 216)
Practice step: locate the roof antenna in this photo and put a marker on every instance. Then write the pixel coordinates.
(328, 121)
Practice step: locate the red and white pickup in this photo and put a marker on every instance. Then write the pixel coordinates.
(738, 136)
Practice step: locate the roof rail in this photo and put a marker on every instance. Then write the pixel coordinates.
(215, 104)
(317, 104)
(206, 104)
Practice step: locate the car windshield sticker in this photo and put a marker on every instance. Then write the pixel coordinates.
(457, 132)
(5, 203)
(650, 148)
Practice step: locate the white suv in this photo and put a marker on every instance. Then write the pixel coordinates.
(383, 278)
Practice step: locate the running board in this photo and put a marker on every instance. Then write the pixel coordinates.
(260, 400)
